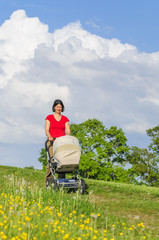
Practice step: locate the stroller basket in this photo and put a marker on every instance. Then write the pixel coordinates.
(68, 183)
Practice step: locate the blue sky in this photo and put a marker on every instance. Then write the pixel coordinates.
(100, 57)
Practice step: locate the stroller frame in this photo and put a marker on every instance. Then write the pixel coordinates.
(56, 183)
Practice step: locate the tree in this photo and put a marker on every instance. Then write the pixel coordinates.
(99, 146)
(144, 166)
(116, 144)
(101, 149)
(111, 172)
(43, 158)
(153, 133)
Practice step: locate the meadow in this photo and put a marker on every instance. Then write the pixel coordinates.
(108, 211)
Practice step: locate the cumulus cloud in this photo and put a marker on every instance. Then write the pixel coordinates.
(19, 37)
(95, 77)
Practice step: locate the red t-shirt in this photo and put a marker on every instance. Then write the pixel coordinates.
(57, 128)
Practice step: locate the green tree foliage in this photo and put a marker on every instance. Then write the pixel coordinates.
(101, 147)
(43, 158)
(144, 166)
(111, 172)
(153, 133)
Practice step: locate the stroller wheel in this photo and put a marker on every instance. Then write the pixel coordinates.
(82, 186)
(48, 181)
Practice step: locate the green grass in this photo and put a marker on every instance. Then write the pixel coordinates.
(108, 211)
(126, 201)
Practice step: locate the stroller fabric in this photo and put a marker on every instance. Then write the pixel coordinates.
(67, 153)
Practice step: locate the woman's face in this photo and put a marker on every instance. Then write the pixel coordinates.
(58, 108)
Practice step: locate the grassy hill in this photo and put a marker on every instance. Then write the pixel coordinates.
(109, 210)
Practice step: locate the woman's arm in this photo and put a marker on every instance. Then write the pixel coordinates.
(67, 128)
(47, 130)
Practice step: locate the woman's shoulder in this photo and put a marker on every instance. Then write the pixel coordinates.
(65, 118)
(49, 117)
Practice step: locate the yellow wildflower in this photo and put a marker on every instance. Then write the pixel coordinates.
(81, 226)
(94, 237)
(4, 236)
(27, 219)
(66, 236)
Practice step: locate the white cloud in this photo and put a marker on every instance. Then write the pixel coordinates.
(89, 42)
(95, 77)
(92, 23)
(151, 99)
(19, 37)
(135, 127)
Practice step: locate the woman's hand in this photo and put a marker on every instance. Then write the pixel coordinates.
(50, 138)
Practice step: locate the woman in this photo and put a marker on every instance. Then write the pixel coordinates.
(56, 125)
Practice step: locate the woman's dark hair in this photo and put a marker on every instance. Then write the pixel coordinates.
(56, 102)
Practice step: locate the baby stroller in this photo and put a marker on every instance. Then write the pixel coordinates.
(63, 156)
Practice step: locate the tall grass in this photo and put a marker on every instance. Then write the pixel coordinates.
(28, 211)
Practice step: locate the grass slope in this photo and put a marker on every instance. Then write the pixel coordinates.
(109, 211)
